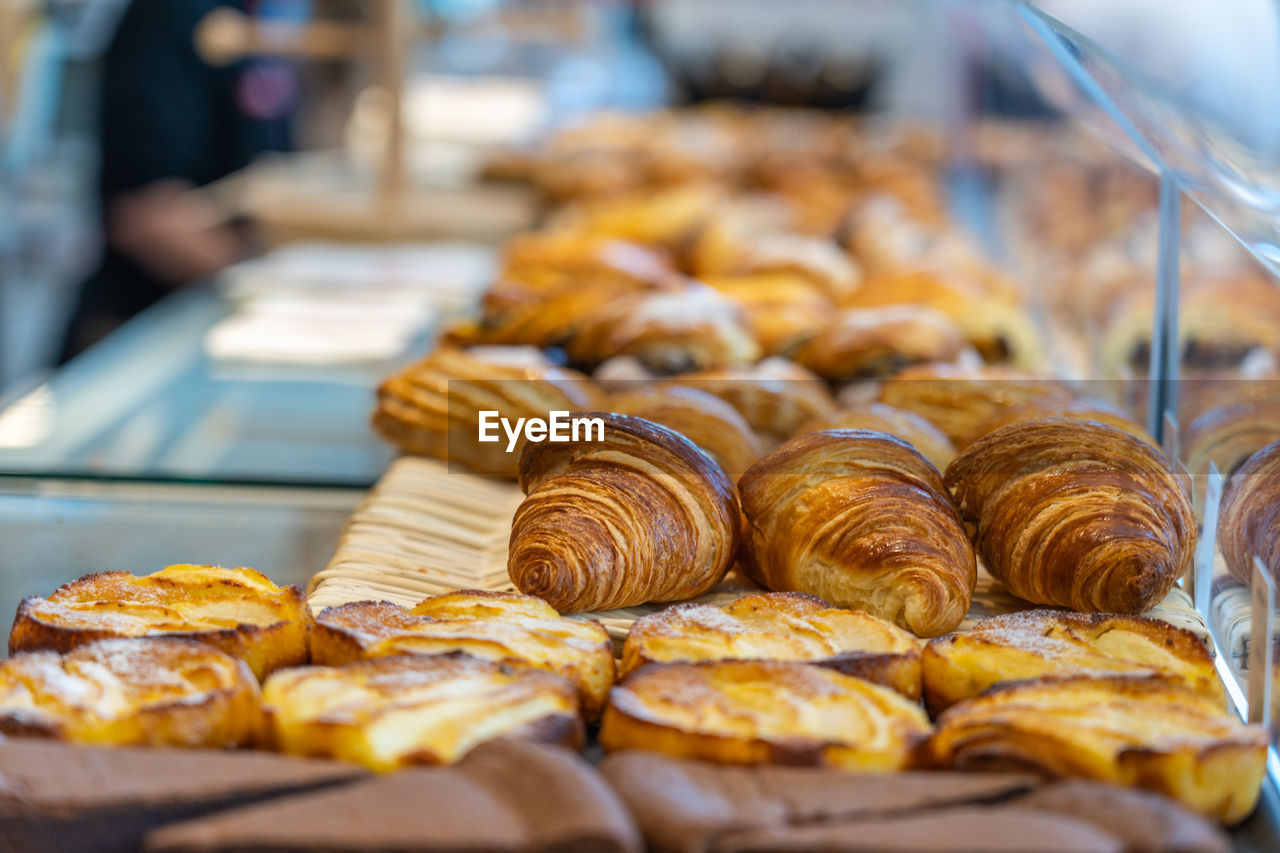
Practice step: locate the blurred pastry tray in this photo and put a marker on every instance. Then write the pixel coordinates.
(425, 529)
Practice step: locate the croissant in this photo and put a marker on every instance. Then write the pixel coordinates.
(862, 520)
(1228, 435)
(929, 441)
(1249, 522)
(642, 515)
(1076, 514)
(703, 418)
(864, 343)
(1082, 409)
(432, 408)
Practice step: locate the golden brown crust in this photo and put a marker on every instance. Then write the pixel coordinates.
(776, 396)
(703, 418)
(1083, 409)
(786, 626)
(142, 692)
(863, 343)
(862, 520)
(238, 611)
(643, 515)
(929, 441)
(432, 408)
(497, 626)
(1228, 435)
(1146, 732)
(782, 309)
(400, 711)
(1249, 521)
(1039, 643)
(1076, 514)
(763, 712)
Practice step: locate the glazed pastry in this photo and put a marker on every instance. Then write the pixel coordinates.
(927, 439)
(1249, 521)
(641, 515)
(703, 418)
(1229, 435)
(1075, 514)
(498, 626)
(237, 611)
(960, 402)
(395, 712)
(1140, 731)
(787, 626)
(1036, 643)
(131, 692)
(862, 520)
(1082, 409)
(864, 343)
(763, 712)
(432, 408)
(782, 309)
(776, 397)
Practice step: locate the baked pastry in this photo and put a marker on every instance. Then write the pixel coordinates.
(75, 798)
(238, 611)
(505, 796)
(1082, 409)
(1142, 731)
(417, 709)
(550, 260)
(859, 519)
(499, 626)
(1037, 643)
(960, 401)
(145, 692)
(782, 309)
(663, 216)
(775, 396)
(786, 626)
(1228, 435)
(641, 515)
(869, 343)
(929, 441)
(1075, 514)
(1249, 520)
(763, 712)
(432, 408)
(817, 260)
(699, 416)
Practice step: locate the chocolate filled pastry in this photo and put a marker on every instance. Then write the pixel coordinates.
(432, 408)
(931, 442)
(1036, 643)
(763, 712)
(869, 343)
(1147, 732)
(776, 397)
(699, 416)
(1230, 434)
(237, 611)
(787, 626)
(1249, 521)
(862, 520)
(1075, 514)
(1081, 409)
(500, 626)
(640, 514)
(131, 692)
(389, 713)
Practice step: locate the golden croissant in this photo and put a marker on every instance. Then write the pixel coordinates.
(1249, 522)
(642, 515)
(703, 418)
(862, 520)
(1075, 514)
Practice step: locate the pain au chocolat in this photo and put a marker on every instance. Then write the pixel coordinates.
(642, 515)
(238, 611)
(763, 712)
(1076, 514)
(785, 626)
(1037, 643)
(862, 520)
(499, 626)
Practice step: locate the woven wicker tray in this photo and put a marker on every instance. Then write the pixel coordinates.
(424, 530)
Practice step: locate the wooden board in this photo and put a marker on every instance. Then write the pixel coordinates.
(424, 530)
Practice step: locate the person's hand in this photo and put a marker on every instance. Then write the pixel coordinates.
(172, 231)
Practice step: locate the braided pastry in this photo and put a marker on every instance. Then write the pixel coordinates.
(643, 515)
(432, 408)
(927, 439)
(862, 520)
(703, 418)
(1249, 523)
(1076, 514)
